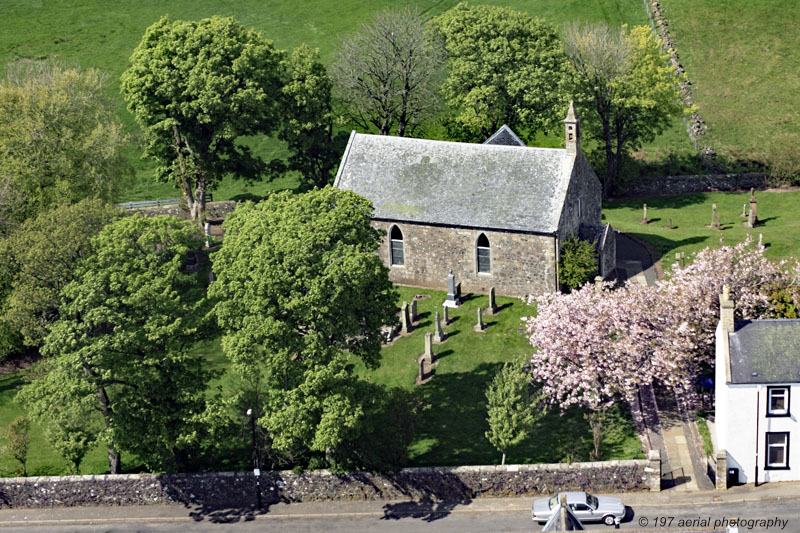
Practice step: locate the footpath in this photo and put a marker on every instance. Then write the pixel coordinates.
(373, 508)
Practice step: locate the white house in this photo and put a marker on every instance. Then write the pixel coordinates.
(757, 379)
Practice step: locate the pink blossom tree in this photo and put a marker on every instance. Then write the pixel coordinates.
(594, 346)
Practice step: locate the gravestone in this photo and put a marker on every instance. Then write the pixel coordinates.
(492, 309)
(744, 211)
(445, 316)
(479, 327)
(752, 220)
(207, 229)
(439, 336)
(429, 355)
(598, 283)
(713, 215)
(405, 319)
(414, 315)
(644, 219)
(453, 292)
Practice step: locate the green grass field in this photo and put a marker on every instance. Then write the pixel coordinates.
(691, 213)
(92, 33)
(742, 60)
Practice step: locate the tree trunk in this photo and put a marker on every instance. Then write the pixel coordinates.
(610, 160)
(114, 463)
(198, 206)
(596, 420)
(637, 413)
(503, 460)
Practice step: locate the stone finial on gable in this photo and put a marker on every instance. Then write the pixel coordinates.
(726, 307)
(572, 131)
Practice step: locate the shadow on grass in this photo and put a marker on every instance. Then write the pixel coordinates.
(662, 246)
(456, 425)
(443, 354)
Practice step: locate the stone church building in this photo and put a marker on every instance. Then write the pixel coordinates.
(495, 213)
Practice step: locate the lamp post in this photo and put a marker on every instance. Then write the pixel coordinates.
(256, 469)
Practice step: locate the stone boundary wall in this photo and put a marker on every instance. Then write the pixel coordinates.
(214, 210)
(697, 126)
(237, 489)
(695, 183)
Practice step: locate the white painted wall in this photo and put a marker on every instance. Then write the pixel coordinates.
(739, 433)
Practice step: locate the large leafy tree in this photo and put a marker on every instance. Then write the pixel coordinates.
(301, 293)
(387, 74)
(504, 67)
(40, 257)
(197, 88)
(121, 344)
(624, 84)
(307, 123)
(60, 140)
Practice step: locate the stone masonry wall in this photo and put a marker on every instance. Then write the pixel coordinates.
(696, 183)
(237, 489)
(521, 264)
(214, 210)
(585, 186)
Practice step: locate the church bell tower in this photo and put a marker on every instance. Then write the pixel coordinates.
(572, 131)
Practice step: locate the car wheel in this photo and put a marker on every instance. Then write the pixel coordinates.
(608, 520)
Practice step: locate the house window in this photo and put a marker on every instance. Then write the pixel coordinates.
(777, 401)
(484, 255)
(777, 451)
(396, 257)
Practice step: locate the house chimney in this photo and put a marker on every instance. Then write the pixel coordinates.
(726, 309)
(572, 131)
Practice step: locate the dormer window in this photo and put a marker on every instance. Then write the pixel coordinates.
(777, 401)
(396, 255)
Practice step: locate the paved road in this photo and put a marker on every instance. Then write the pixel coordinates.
(403, 519)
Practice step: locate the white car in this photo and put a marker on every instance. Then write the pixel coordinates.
(585, 507)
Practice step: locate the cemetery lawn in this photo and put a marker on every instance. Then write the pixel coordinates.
(690, 213)
(452, 429)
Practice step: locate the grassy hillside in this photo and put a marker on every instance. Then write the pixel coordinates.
(742, 58)
(93, 33)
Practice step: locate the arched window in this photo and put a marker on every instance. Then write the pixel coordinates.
(396, 256)
(484, 255)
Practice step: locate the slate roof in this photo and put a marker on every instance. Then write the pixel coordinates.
(769, 348)
(505, 136)
(458, 184)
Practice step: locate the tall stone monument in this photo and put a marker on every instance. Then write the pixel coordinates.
(453, 298)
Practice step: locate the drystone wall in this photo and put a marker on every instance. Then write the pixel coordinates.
(695, 183)
(237, 489)
(214, 210)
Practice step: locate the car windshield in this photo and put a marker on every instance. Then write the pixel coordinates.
(553, 501)
(592, 501)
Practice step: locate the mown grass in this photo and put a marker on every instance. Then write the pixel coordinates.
(93, 33)
(742, 60)
(452, 429)
(777, 211)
